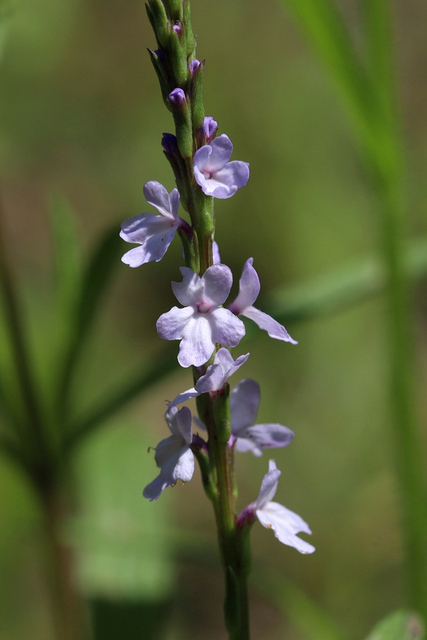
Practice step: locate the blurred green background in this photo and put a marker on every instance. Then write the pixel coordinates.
(81, 116)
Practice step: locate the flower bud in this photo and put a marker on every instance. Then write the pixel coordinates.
(177, 98)
(208, 130)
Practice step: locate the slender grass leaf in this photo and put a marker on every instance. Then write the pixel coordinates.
(94, 283)
(162, 364)
(303, 613)
(326, 30)
(67, 263)
(343, 288)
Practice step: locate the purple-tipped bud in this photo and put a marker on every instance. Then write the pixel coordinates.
(170, 144)
(160, 54)
(178, 29)
(177, 97)
(208, 130)
(194, 66)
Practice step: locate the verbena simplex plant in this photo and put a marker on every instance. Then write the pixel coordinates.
(205, 328)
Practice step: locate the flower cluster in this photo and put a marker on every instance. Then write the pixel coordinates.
(206, 324)
(203, 322)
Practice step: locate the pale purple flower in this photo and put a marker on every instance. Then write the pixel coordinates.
(217, 374)
(244, 403)
(202, 322)
(154, 233)
(272, 515)
(173, 455)
(214, 173)
(249, 287)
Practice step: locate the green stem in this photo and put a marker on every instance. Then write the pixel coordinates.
(408, 449)
(235, 556)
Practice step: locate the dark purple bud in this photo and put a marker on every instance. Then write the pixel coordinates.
(208, 129)
(199, 444)
(194, 66)
(160, 54)
(170, 144)
(177, 97)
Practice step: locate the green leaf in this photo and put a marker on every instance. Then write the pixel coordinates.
(94, 283)
(343, 288)
(113, 401)
(400, 625)
(67, 262)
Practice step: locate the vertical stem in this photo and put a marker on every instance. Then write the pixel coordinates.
(408, 449)
(234, 554)
(66, 601)
(388, 181)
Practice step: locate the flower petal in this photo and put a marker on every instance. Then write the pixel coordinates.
(189, 292)
(183, 397)
(266, 322)
(264, 436)
(153, 233)
(153, 490)
(197, 345)
(268, 485)
(234, 175)
(249, 287)
(171, 325)
(179, 422)
(228, 329)
(157, 195)
(216, 257)
(217, 281)
(244, 403)
(285, 525)
(214, 156)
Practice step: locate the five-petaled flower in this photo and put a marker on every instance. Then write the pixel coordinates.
(154, 233)
(284, 523)
(217, 374)
(248, 436)
(173, 454)
(202, 321)
(214, 173)
(249, 288)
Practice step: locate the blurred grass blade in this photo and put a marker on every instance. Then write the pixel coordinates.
(325, 28)
(400, 625)
(117, 398)
(304, 614)
(344, 288)
(93, 285)
(376, 14)
(67, 262)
